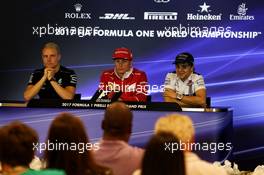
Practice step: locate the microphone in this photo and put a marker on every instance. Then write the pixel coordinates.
(116, 96)
(97, 95)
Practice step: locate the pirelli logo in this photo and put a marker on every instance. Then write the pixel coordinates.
(170, 16)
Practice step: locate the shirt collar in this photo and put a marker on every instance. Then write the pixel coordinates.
(126, 75)
(187, 80)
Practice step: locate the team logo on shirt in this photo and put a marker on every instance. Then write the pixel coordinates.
(190, 83)
(110, 86)
(200, 82)
(131, 87)
(73, 78)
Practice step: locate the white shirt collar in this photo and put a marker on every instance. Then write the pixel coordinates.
(187, 80)
(126, 75)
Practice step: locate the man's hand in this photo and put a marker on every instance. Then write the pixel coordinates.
(49, 73)
(170, 93)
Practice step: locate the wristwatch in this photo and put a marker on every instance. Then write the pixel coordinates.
(179, 96)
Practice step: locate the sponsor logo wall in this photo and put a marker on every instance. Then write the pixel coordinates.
(165, 26)
(176, 29)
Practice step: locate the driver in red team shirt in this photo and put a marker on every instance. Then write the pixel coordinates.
(124, 78)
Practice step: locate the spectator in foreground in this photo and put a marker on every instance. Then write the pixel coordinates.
(74, 157)
(160, 159)
(114, 150)
(182, 127)
(17, 142)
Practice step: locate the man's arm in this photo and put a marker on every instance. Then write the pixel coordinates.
(139, 96)
(103, 86)
(141, 90)
(187, 101)
(196, 101)
(169, 95)
(32, 90)
(66, 93)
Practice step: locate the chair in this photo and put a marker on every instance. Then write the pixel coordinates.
(77, 97)
(208, 101)
(148, 98)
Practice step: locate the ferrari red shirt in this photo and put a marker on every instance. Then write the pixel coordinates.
(133, 84)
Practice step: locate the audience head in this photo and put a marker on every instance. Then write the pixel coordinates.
(73, 157)
(160, 160)
(117, 122)
(179, 125)
(17, 142)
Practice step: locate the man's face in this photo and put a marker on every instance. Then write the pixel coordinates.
(122, 66)
(184, 70)
(50, 58)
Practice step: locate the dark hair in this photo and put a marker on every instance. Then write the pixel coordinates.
(117, 120)
(16, 144)
(68, 129)
(159, 160)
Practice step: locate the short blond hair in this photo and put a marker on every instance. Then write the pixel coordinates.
(53, 46)
(179, 125)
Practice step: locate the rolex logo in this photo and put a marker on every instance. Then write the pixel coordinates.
(77, 15)
(78, 7)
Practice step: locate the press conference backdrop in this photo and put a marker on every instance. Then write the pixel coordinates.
(225, 37)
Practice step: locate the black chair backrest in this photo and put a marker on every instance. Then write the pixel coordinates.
(148, 98)
(208, 101)
(77, 97)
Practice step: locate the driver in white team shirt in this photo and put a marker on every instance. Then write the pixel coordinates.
(184, 86)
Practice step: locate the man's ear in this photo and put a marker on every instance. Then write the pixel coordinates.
(59, 56)
(192, 67)
(130, 129)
